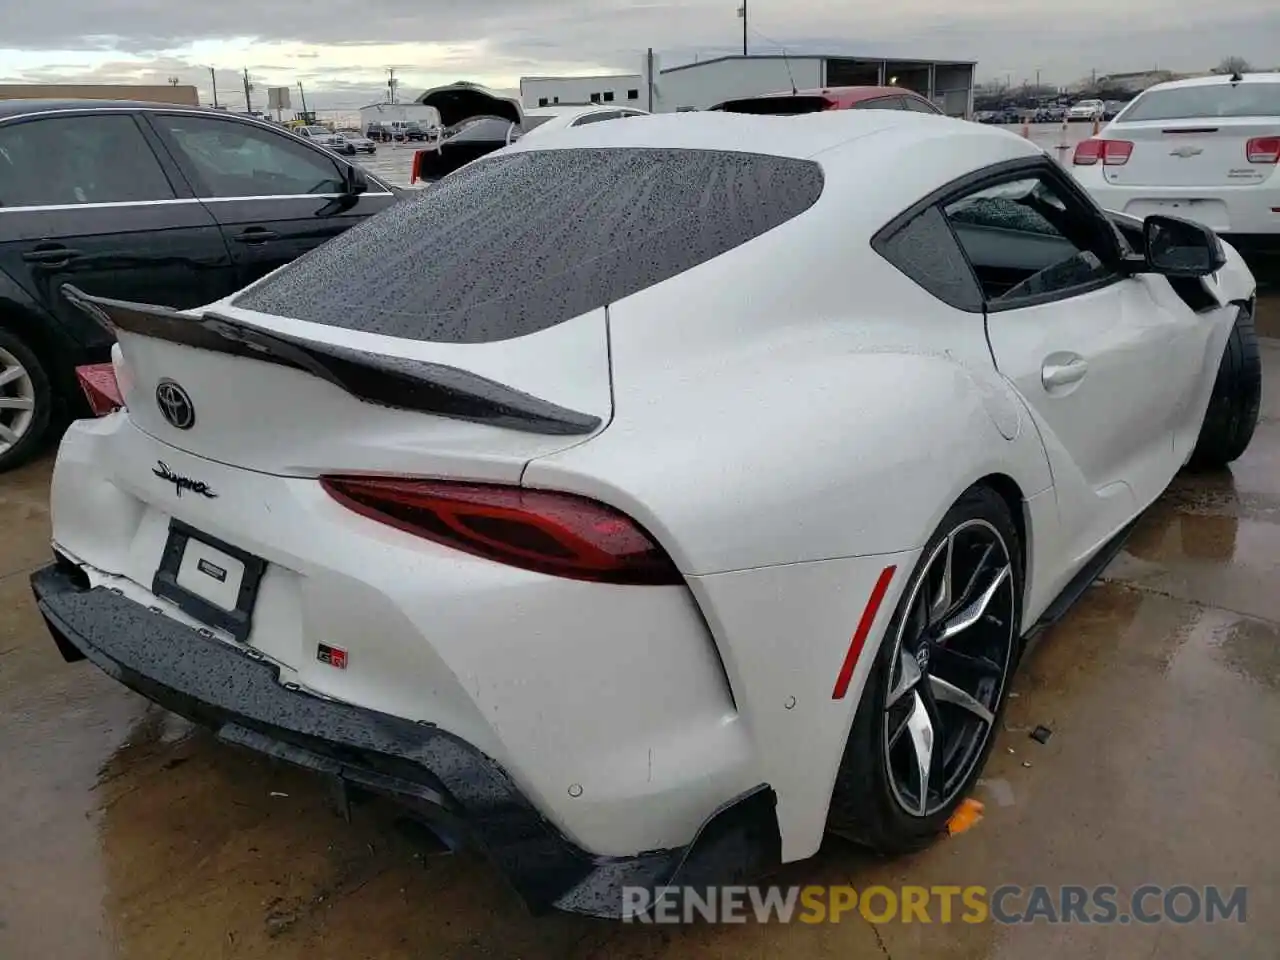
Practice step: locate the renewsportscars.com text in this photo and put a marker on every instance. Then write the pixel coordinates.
(1008, 904)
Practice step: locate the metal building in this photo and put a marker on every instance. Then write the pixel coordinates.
(698, 85)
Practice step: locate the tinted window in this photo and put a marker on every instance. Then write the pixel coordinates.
(66, 160)
(596, 117)
(515, 244)
(784, 105)
(230, 159)
(919, 106)
(1028, 238)
(489, 129)
(925, 250)
(1216, 100)
(880, 103)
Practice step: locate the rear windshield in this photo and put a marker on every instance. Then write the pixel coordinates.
(1247, 99)
(514, 244)
(775, 106)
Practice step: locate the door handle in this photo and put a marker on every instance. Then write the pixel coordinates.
(50, 256)
(1063, 373)
(256, 235)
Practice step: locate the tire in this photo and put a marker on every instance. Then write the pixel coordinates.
(22, 428)
(1234, 405)
(871, 804)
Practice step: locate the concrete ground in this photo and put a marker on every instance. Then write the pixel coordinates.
(129, 834)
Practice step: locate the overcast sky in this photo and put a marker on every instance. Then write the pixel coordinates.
(340, 49)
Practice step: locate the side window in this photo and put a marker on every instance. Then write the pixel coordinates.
(880, 103)
(925, 249)
(232, 159)
(1027, 238)
(72, 160)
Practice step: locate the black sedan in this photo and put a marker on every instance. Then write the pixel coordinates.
(147, 202)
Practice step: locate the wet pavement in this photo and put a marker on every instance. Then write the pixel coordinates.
(129, 835)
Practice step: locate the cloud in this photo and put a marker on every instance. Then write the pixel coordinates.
(343, 47)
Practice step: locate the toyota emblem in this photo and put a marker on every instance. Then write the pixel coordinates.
(175, 405)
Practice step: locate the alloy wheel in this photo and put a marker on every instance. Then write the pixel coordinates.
(17, 401)
(952, 655)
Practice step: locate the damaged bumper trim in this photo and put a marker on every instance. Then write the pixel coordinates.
(435, 773)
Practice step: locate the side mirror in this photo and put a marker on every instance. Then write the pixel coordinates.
(357, 180)
(1181, 248)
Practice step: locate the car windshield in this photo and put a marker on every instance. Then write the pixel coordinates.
(532, 123)
(317, 131)
(1213, 100)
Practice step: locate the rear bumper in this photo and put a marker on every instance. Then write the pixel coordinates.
(440, 776)
(1242, 215)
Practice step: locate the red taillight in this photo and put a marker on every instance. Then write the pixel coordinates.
(554, 533)
(413, 170)
(1263, 150)
(98, 381)
(1112, 153)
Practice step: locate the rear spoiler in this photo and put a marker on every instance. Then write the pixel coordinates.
(388, 381)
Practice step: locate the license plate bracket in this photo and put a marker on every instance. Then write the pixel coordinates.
(167, 581)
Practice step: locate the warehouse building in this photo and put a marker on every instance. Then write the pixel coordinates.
(702, 84)
(181, 94)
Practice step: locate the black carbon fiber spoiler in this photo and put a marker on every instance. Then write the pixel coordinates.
(416, 385)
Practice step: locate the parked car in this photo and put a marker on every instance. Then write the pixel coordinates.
(379, 133)
(549, 538)
(1086, 110)
(459, 145)
(544, 121)
(167, 204)
(831, 98)
(480, 136)
(321, 136)
(358, 142)
(1207, 149)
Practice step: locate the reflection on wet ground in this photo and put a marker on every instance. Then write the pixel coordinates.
(129, 835)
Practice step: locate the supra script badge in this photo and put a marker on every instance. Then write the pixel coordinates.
(180, 482)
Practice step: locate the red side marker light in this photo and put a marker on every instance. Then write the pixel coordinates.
(860, 635)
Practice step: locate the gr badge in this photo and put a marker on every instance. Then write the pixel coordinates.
(333, 656)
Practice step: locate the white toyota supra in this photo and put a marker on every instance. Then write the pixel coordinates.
(644, 501)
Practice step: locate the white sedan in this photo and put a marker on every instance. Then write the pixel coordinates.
(1087, 110)
(547, 120)
(1206, 149)
(645, 502)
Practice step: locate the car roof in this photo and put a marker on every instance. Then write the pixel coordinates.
(799, 137)
(13, 108)
(1215, 80)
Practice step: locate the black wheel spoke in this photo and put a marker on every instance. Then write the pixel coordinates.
(949, 657)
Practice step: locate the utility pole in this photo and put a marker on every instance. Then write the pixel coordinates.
(213, 76)
(391, 86)
(742, 12)
(248, 92)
